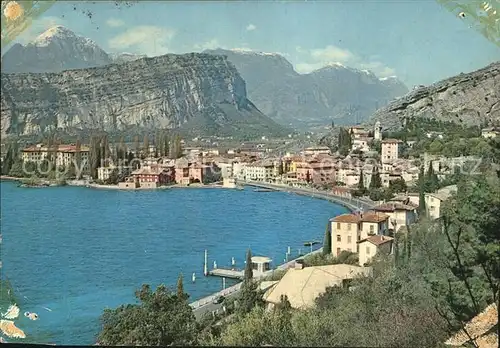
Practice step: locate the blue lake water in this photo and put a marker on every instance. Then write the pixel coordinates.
(77, 251)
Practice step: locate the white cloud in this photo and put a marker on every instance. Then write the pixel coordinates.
(304, 68)
(332, 54)
(209, 45)
(115, 23)
(314, 59)
(144, 39)
(37, 27)
(251, 27)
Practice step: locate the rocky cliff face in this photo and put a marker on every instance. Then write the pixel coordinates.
(333, 93)
(469, 99)
(55, 50)
(198, 92)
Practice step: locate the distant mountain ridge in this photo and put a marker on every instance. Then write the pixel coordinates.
(332, 93)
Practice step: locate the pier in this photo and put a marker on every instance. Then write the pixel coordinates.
(226, 273)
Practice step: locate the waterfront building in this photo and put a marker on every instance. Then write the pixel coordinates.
(64, 154)
(303, 285)
(391, 149)
(260, 171)
(103, 173)
(348, 229)
(373, 245)
(190, 172)
(239, 170)
(151, 177)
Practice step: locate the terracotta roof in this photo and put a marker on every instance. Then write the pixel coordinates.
(478, 328)
(392, 206)
(349, 218)
(377, 240)
(58, 148)
(148, 171)
(374, 217)
(391, 141)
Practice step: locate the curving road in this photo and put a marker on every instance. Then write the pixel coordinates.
(351, 203)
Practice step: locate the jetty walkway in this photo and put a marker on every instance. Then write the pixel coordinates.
(351, 203)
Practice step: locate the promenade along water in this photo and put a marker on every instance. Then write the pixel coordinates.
(77, 251)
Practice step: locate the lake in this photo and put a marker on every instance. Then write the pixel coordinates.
(70, 252)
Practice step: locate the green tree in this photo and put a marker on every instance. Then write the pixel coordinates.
(180, 288)
(470, 222)
(327, 242)
(249, 296)
(17, 170)
(398, 185)
(361, 184)
(431, 180)
(376, 181)
(281, 329)
(248, 274)
(160, 319)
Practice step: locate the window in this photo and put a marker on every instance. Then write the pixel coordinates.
(338, 225)
(348, 227)
(339, 238)
(338, 251)
(367, 250)
(371, 229)
(349, 239)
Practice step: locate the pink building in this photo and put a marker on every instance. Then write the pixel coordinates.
(316, 171)
(187, 173)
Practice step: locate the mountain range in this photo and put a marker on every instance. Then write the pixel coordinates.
(333, 93)
(196, 94)
(469, 99)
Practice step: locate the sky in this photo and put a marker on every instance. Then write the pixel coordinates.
(416, 40)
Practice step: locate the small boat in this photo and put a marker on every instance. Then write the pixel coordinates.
(262, 190)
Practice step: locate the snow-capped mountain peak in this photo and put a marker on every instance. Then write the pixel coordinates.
(55, 33)
(55, 50)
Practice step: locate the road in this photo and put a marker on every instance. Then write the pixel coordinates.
(351, 203)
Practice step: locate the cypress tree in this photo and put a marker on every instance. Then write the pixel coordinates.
(432, 181)
(421, 193)
(376, 181)
(166, 146)
(180, 288)
(361, 183)
(327, 242)
(248, 275)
